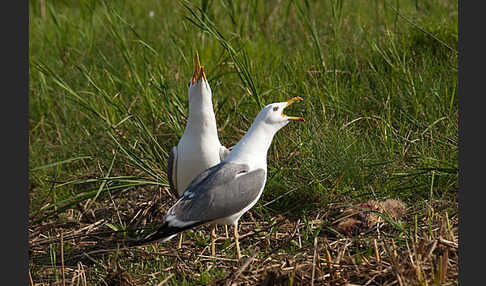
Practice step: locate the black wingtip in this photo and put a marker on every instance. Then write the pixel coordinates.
(164, 232)
(161, 233)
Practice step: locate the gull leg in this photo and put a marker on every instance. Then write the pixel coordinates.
(226, 230)
(237, 243)
(213, 240)
(179, 245)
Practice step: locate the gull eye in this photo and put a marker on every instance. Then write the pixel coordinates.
(275, 108)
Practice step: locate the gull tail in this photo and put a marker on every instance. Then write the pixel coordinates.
(163, 234)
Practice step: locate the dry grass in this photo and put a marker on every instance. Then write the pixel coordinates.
(280, 251)
(108, 98)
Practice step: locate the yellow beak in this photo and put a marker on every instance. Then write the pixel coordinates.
(198, 70)
(289, 102)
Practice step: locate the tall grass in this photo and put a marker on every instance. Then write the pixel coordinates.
(379, 82)
(108, 98)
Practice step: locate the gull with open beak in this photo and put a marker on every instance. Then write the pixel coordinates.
(199, 147)
(224, 192)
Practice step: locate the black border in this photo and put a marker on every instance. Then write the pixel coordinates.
(14, 118)
(471, 83)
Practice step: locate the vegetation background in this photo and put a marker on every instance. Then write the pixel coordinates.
(108, 98)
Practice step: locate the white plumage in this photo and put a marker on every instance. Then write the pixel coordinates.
(224, 192)
(199, 147)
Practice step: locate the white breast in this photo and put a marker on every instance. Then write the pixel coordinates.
(195, 154)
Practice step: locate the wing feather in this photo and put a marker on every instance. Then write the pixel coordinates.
(223, 152)
(219, 192)
(172, 171)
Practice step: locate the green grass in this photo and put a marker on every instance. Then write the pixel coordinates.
(108, 95)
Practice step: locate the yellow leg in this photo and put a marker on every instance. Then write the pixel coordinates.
(226, 230)
(179, 245)
(238, 252)
(213, 240)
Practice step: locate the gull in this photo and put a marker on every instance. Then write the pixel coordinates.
(199, 147)
(224, 192)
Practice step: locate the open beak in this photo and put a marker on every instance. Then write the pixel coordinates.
(198, 70)
(289, 102)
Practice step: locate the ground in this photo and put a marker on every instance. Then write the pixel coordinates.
(108, 99)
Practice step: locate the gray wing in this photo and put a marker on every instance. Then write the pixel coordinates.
(219, 192)
(223, 152)
(172, 171)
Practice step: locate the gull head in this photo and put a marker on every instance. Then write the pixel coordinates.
(198, 84)
(273, 114)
